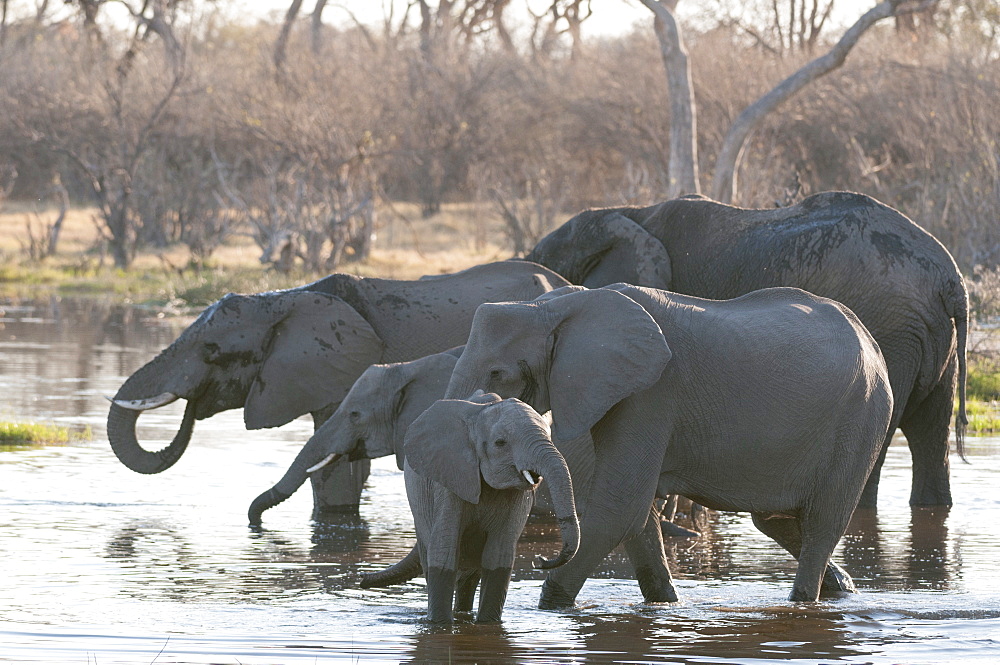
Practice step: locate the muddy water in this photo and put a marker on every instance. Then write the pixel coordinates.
(102, 565)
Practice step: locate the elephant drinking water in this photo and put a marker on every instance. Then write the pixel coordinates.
(283, 354)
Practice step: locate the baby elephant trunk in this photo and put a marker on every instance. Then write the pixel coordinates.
(546, 460)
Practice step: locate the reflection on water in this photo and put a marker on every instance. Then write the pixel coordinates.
(105, 565)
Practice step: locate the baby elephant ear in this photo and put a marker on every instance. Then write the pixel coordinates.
(438, 446)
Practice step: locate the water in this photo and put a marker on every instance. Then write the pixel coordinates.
(103, 565)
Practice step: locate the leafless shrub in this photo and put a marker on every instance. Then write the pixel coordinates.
(984, 294)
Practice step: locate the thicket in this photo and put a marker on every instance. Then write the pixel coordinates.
(188, 147)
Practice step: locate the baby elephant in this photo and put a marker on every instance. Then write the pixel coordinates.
(369, 423)
(471, 468)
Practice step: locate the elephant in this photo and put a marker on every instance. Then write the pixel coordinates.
(283, 354)
(369, 423)
(776, 402)
(471, 467)
(898, 279)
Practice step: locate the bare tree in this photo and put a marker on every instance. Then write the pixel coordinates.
(559, 18)
(281, 43)
(682, 163)
(724, 181)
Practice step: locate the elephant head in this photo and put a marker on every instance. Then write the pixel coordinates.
(504, 443)
(576, 354)
(369, 423)
(278, 355)
(600, 247)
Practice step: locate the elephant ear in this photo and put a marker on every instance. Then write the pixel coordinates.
(319, 346)
(421, 382)
(605, 348)
(439, 447)
(561, 291)
(634, 255)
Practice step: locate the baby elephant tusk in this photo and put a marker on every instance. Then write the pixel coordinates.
(329, 459)
(143, 404)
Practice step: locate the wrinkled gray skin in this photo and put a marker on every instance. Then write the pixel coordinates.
(776, 403)
(372, 421)
(283, 354)
(471, 469)
(898, 279)
(369, 423)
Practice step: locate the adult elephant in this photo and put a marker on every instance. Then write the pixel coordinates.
(899, 280)
(283, 354)
(775, 403)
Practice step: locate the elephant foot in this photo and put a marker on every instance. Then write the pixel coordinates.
(492, 595)
(440, 594)
(655, 588)
(336, 514)
(677, 531)
(836, 582)
(554, 596)
(931, 495)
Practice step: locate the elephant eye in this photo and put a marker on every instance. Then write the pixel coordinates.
(354, 415)
(500, 443)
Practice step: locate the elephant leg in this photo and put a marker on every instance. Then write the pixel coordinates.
(337, 489)
(497, 562)
(869, 495)
(440, 591)
(645, 551)
(608, 523)
(493, 595)
(817, 575)
(465, 590)
(443, 552)
(927, 429)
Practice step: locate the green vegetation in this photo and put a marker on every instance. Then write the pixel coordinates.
(984, 417)
(983, 392)
(14, 435)
(984, 378)
(157, 286)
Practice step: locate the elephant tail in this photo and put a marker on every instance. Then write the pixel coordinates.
(402, 571)
(961, 417)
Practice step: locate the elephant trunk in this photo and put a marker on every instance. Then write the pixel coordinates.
(403, 570)
(121, 434)
(546, 460)
(310, 455)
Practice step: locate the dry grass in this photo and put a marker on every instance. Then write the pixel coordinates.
(407, 246)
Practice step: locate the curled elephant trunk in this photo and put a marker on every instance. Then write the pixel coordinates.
(547, 461)
(307, 461)
(403, 570)
(121, 434)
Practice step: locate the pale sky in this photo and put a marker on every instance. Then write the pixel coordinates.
(610, 16)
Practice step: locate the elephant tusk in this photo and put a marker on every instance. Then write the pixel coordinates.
(329, 459)
(143, 404)
(530, 477)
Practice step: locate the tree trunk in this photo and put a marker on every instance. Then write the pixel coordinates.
(724, 182)
(682, 163)
(281, 44)
(316, 29)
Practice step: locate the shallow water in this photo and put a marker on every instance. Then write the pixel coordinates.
(102, 565)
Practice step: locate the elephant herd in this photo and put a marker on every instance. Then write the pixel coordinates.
(751, 360)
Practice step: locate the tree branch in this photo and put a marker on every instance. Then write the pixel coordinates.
(724, 182)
